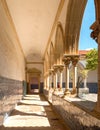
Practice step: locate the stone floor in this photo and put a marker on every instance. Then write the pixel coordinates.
(33, 113)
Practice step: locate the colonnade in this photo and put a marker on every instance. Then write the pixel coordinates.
(53, 79)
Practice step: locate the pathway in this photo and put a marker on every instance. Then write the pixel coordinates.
(33, 113)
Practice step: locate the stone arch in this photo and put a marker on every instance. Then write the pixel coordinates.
(51, 55)
(73, 25)
(47, 61)
(59, 44)
(81, 65)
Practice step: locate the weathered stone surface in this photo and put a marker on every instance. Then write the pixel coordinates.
(77, 118)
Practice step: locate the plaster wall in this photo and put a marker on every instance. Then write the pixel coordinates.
(12, 65)
(12, 62)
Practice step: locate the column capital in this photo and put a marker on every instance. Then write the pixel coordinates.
(66, 59)
(55, 67)
(61, 67)
(51, 71)
(46, 73)
(96, 30)
(75, 59)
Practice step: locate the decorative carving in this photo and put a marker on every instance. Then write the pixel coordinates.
(61, 67)
(75, 59)
(51, 71)
(56, 67)
(96, 30)
(66, 59)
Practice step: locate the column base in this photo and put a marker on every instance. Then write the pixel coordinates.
(74, 91)
(66, 93)
(55, 91)
(60, 89)
(47, 88)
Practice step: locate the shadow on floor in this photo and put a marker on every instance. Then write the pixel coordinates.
(40, 116)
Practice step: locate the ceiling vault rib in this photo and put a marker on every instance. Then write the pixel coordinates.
(12, 23)
(54, 24)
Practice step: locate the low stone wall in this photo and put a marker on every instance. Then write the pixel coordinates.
(10, 93)
(74, 116)
(46, 93)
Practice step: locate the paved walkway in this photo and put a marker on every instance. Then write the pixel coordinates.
(33, 113)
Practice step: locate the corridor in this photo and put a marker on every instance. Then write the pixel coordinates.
(40, 52)
(33, 113)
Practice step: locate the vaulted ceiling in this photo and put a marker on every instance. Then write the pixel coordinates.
(33, 21)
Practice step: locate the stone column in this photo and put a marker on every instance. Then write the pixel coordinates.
(49, 79)
(98, 100)
(44, 82)
(95, 34)
(48, 82)
(61, 67)
(52, 80)
(66, 60)
(75, 59)
(85, 82)
(55, 78)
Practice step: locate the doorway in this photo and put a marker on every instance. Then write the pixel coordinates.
(34, 85)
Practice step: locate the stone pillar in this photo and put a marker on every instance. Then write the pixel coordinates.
(85, 83)
(66, 60)
(55, 78)
(44, 82)
(61, 67)
(54, 81)
(75, 59)
(98, 100)
(50, 78)
(48, 82)
(95, 34)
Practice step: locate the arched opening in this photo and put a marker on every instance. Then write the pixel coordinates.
(86, 44)
(73, 24)
(59, 44)
(51, 55)
(85, 41)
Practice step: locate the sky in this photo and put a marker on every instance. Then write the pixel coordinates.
(85, 41)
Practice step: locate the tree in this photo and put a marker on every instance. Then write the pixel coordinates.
(92, 59)
(91, 64)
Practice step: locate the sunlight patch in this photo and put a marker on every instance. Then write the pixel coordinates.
(26, 121)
